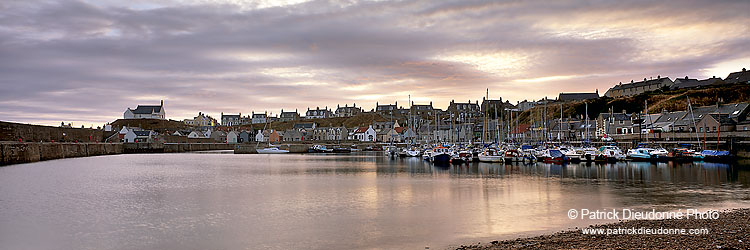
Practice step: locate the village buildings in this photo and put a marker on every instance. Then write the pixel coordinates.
(287, 116)
(202, 120)
(347, 111)
(318, 113)
(636, 88)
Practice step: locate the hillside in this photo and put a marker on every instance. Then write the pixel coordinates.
(151, 124)
(674, 100)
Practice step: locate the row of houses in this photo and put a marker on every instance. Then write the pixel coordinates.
(307, 131)
(636, 88)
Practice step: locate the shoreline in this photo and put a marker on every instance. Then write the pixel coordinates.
(730, 231)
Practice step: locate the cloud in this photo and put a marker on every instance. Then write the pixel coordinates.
(86, 61)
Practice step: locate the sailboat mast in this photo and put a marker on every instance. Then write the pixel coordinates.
(586, 123)
(695, 127)
(559, 131)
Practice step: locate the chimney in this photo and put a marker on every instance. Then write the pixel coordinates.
(162, 102)
(686, 77)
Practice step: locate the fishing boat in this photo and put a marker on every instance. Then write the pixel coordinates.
(440, 155)
(271, 150)
(555, 156)
(490, 155)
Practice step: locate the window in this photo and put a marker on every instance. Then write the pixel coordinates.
(700, 129)
(622, 122)
(714, 128)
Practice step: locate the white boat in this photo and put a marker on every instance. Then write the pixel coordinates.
(660, 152)
(427, 155)
(610, 154)
(571, 154)
(589, 154)
(320, 149)
(490, 155)
(413, 152)
(271, 150)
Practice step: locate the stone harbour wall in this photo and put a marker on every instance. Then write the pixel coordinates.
(25, 152)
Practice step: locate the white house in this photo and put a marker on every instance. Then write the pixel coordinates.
(365, 134)
(139, 136)
(232, 137)
(196, 134)
(124, 130)
(129, 136)
(259, 136)
(146, 112)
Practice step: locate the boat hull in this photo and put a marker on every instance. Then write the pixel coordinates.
(271, 151)
(441, 158)
(483, 158)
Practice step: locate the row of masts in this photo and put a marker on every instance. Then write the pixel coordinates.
(539, 133)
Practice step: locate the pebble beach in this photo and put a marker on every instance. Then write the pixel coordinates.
(729, 231)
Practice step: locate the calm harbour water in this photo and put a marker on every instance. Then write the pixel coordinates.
(359, 201)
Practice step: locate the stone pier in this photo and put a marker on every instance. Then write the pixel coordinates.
(25, 152)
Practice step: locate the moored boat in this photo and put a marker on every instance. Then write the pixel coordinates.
(512, 155)
(555, 156)
(319, 149)
(342, 150)
(610, 154)
(641, 154)
(440, 155)
(716, 155)
(490, 155)
(571, 154)
(589, 154)
(271, 150)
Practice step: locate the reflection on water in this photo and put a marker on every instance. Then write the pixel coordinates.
(226, 201)
(704, 173)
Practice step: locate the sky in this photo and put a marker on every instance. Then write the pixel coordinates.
(86, 62)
